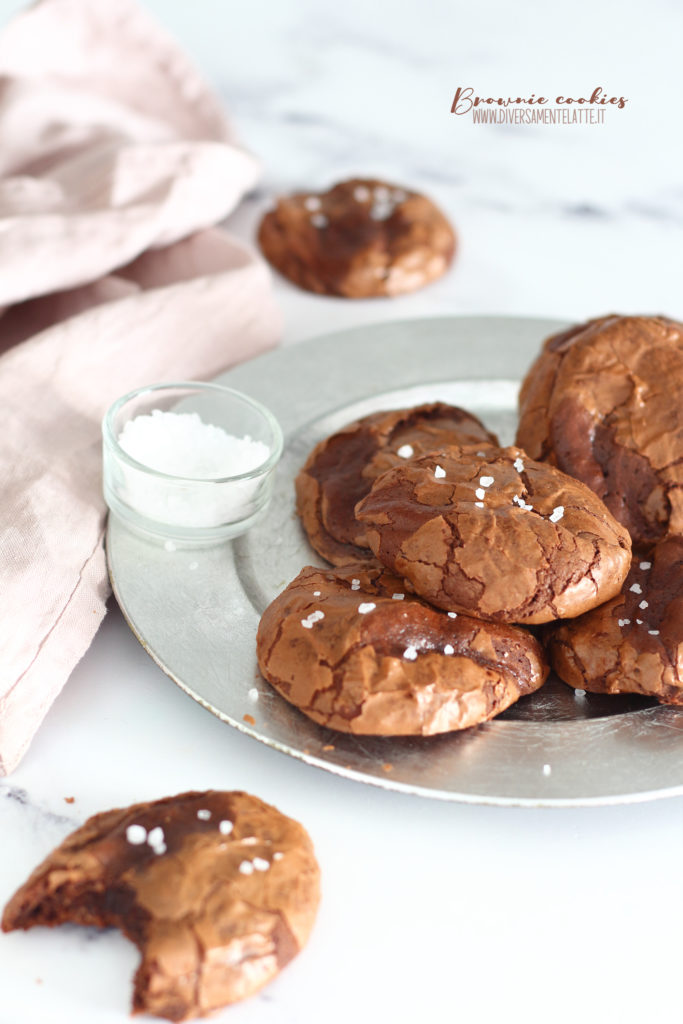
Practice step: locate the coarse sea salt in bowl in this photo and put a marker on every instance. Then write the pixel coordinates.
(189, 463)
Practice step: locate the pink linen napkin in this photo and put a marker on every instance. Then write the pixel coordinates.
(115, 163)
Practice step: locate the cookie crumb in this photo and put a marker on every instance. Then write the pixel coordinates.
(328, 747)
(387, 766)
(69, 799)
(249, 719)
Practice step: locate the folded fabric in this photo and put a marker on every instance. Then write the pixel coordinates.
(115, 160)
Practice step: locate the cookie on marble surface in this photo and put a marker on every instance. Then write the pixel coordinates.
(604, 403)
(362, 238)
(218, 890)
(497, 535)
(633, 643)
(341, 469)
(355, 652)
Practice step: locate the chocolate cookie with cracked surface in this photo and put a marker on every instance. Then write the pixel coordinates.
(341, 469)
(633, 643)
(355, 652)
(362, 238)
(218, 890)
(497, 536)
(604, 403)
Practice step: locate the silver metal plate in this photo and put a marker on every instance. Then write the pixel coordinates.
(196, 611)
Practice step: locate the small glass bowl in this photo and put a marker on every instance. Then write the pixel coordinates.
(189, 510)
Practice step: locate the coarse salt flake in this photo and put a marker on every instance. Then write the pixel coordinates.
(480, 492)
(355, 584)
(485, 481)
(643, 604)
(439, 472)
(547, 769)
(361, 194)
(136, 834)
(519, 465)
(646, 565)
(624, 622)
(319, 220)
(261, 864)
(156, 836)
(203, 814)
(452, 615)
(246, 867)
(312, 203)
(253, 694)
(316, 593)
(449, 649)
(225, 827)
(367, 606)
(277, 855)
(639, 622)
(653, 632)
(479, 504)
(410, 653)
(579, 693)
(636, 588)
(397, 597)
(382, 193)
(310, 620)
(405, 451)
(556, 514)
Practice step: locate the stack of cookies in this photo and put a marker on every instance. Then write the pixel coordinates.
(447, 545)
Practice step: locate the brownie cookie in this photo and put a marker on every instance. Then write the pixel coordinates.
(218, 891)
(341, 469)
(604, 403)
(355, 652)
(497, 535)
(634, 643)
(362, 238)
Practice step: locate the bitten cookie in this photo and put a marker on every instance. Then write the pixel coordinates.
(634, 643)
(362, 238)
(604, 403)
(497, 536)
(218, 891)
(356, 653)
(341, 469)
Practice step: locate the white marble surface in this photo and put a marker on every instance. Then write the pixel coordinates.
(431, 911)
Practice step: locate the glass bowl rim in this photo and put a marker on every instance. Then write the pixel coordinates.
(111, 440)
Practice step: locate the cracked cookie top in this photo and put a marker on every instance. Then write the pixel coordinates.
(604, 403)
(355, 651)
(633, 643)
(496, 535)
(361, 238)
(341, 469)
(219, 890)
